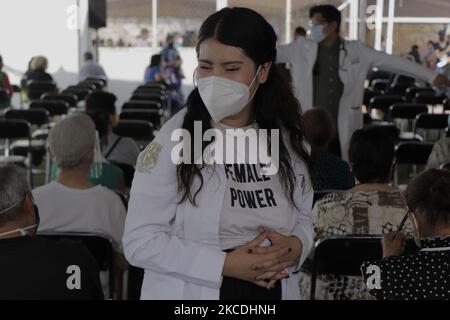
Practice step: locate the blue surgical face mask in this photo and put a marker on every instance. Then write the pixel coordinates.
(316, 33)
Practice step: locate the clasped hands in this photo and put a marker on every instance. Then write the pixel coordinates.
(263, 266)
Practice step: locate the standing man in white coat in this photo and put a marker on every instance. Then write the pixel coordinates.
(329, 72)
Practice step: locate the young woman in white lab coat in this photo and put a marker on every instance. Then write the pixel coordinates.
(214, 231)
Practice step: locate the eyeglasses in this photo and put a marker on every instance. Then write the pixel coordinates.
(316, 22)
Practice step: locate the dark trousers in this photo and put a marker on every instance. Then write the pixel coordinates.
(236, 289)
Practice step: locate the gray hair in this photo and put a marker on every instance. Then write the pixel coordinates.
(13, 187)
(71, 140)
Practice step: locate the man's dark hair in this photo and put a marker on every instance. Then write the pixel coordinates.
(319, 127)
(329, 12)
(101, 121)
(371, 154)
(428, 195)
(101, 100)
(300, 31)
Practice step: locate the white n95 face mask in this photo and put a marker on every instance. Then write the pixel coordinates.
(224, 97)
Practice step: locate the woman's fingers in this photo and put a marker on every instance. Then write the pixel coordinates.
(274, 267)
(265, 250)
(271, 276)
(258, 240)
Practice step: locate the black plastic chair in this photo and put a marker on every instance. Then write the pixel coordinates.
(142, 105)
(388, 128)
(139, 130)
(410, 153)
(407, 111)
(150, 90)
(411, 92)
(80, 92)
(70, 98)
(429, 98)
(344, 256)
(37, 147)
(154, 84)
(153, 116)
(54, 107)
(398, 89)
(426, 121)
(87, 85)
(150, 97)
(369, 94)
(99, 246)
(14, 129)
(383, 103)
(380, 84)
(36, 88)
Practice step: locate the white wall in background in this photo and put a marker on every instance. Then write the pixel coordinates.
(43, 27)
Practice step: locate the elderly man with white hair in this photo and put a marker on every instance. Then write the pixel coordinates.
(71, 203)
(32, 267)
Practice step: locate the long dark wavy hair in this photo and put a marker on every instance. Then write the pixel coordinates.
(275, 106)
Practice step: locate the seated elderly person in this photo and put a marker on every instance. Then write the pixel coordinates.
(102, 172)
(72, 203)
(117, 149)
(328, 171)
(425, 274)
(372, 207)
(33, 267)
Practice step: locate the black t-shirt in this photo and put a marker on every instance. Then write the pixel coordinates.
(36, 268)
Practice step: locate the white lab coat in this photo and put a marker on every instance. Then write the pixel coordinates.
(178, 244)
(355, 60)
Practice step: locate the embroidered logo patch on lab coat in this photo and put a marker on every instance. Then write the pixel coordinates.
(149, 157)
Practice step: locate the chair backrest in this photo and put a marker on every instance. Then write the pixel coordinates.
(429, 97)
(135, 129)
(369, 94)
(14, 129)
(142, 105)
(411, 92)
(431, 121)
(380, 84)
(35, 116)
(36, 88)
(344, 255)
(406, 110)
(150, 90)
(320, 194)
(384, 102)
(54, 107)
(80, 92)
(149, 97)
(154, 84)
(87, 85)
(153, 116)
(415, 153)
(398, 88)
(99, 246)
(70, 98)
